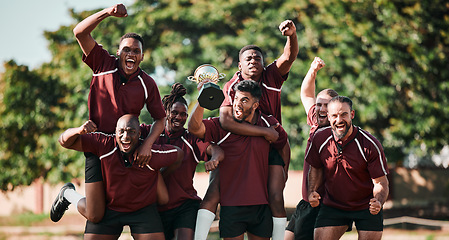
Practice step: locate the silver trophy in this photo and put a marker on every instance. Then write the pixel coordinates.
(210, 96)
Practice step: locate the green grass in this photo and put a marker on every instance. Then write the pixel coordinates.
(24, 219)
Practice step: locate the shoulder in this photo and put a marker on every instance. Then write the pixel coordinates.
(322, 134)
(267, 120)
(146, 78)
(368, 139)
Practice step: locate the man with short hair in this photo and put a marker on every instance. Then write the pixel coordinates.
(244, 171)
(130, 190)
(352, 164)
(302, 221)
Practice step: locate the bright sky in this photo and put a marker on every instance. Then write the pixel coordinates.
(23, 22)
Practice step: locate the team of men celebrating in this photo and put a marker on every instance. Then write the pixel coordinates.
(142, 175)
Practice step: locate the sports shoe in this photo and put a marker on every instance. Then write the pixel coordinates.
(60, 205)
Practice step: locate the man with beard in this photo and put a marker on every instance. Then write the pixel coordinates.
(179, 214)
(302, 221)
(244, 171)
(352, 163)
(118, 87)
(129, 189)
(270, 78)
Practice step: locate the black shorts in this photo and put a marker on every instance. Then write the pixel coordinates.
(236, 220)
(183, 216)
(92, 168)
(363, 219)
(274, 158)
(302, 222)
(144, 220)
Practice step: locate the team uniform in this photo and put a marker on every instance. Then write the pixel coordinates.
(130, 190)
(349, 167)
(244, 178)
(112, 95)
(302, 222)
(270, 102)
(183, 205)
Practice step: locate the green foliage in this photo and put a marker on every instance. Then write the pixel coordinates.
(390, 57)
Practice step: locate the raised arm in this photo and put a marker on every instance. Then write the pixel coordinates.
(83, 29)
(228, 123)
(70, 138)
(380, 193)
(217, 155)
(291, 49)
(308, 84)
(195, 124)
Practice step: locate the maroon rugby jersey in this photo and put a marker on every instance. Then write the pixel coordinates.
(244, 170)
(180, 182)
(109, 99)
(271, 85)
(348, 173)
(127, 189)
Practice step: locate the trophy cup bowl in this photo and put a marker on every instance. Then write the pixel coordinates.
(210, 95)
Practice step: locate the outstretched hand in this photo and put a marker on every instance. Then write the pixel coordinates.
(118, 10)
(287, 28)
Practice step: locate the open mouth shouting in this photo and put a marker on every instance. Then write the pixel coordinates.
(130, 63)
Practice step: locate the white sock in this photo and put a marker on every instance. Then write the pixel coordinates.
(72, 196)
(279, 225)
(204, 220)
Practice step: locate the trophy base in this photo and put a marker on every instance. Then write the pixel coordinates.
(211, 96)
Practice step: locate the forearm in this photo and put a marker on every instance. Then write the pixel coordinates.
(380, 191)
(228, 123)
(195, 124)
(291, 48)
(86, 26)
(68, 138)
(315, 179)
(215, 152)
(156, 129)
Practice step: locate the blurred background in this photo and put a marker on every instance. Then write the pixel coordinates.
(389, 57)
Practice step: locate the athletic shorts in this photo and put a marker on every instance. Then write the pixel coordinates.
(236, 220)
(363, 219)
(274, 158)
(92, 168)
(144, 220)
(302, 222)
(183, 216)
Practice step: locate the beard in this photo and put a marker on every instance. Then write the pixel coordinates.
(341, 135)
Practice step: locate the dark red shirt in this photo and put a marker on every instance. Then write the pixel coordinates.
(244, 171)
(348, 173)
(180, 182)
(128, 189)
(271, 85)
(109, 98)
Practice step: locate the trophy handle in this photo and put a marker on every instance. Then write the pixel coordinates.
(221, 76)
(191, 78)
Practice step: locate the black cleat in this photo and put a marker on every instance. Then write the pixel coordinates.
(60, 205)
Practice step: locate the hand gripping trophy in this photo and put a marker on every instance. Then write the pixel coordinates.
(210, 96)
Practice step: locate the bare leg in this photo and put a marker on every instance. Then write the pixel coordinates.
(93, 205)
(329, 233)
(370, 235)
(254, 237)
(241, 237)
(289, 235)
(149, 236)
(100, 237)
(184, 234)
